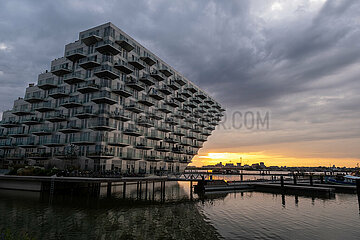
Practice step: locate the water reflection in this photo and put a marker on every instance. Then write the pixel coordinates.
(181, 215)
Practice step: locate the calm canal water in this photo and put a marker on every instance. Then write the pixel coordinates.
(238, 215)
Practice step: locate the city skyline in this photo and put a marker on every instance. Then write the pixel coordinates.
(296, 60)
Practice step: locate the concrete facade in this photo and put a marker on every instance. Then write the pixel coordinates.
(109, 104)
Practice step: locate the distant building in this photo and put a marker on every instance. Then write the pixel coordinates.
(219, 164)
(229, 165)
(255, 166)
(262, 165)
(238, 164)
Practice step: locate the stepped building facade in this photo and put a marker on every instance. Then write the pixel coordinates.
(108, 104)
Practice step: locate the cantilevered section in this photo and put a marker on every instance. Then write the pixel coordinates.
(109, 104)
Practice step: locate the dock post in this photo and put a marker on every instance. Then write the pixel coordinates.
(124, 190)
(146, 189)
(153, 191)
(282, 181)
(109, 189)
(311, 180)
(137, 189)
(294, 176)
(358, 186)
(164, 192)
(241, 177)
(321, 179)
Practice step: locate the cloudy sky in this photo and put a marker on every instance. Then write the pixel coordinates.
(287, 72)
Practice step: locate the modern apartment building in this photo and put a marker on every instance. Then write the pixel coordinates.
(108, 104)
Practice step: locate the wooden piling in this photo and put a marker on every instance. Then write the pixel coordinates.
(109, 189)
(124, 190)
(282, 181)
(146, 189)
(321, 179)
(311, 180)
(295, 180)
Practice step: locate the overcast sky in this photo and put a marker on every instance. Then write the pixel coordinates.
(296, 60)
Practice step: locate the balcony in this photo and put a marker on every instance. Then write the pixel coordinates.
(29, 143)
(60, 70)
(171, 121)
(100, 155)
(205, 105)
(165, 90)
(74, 78)
(18, 133)
(132, 131)
(169, 159)
(164, 108)
(46, 84)
(22, 111)
(88, 87)
(196, 145)
(32, 121)
(201, 139)
(196, 130)
(211, 128)
(196, 100)
(44, 107)
(190, 104)
(34, 97)
(56, 117)
(153, 136)
(125, 44)
(212, 110)
(131, 157)
(136, 63)
(85, 113)
(185, 125)
(157, 75)
(120, 115)
(192, 153)
(42, 131)
(186, 93)
(69, 128)
(75, 55)
(179, 132)
(134, 84)
(172, 103)
(54, 142)
(71, 103)
(122, 91)
(7, 144)
(191, 136)
(164, 128)
(124, 67)
(179, 97)
(209, 101)
(201, 95)
(162, 149)
(118, 142)
(153, 158)
(57, 93)
(179, 115)
(134, 107)
(89, 62)
(155, 115)
(185, 142)
(166, 71)
(185, 110)
(106, 71)
(180, 81)
(155, 94)
(191, 120)
(107, 47)
(90, 38)
(146, 101)
(170, 140)
(105, 97)
(143, 146)
(173, 85)
(103, 125)
(83, 140)
(206, 133)
(9, 123)
(191, 88)
(145, 122)
(147, 80)
(178, 150)
(148, 59)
